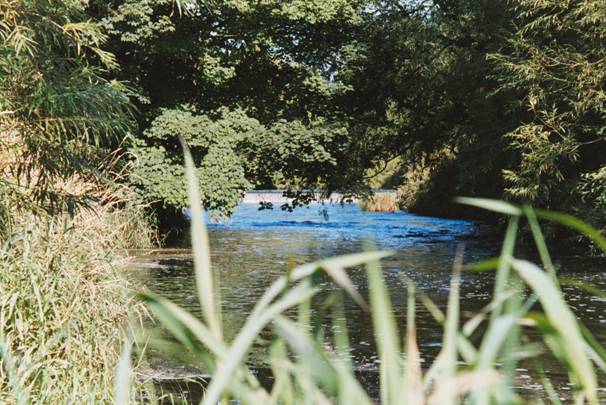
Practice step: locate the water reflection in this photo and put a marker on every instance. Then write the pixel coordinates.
(255, 247)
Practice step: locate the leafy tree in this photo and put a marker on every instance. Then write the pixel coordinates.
(258, 82)
(272, 58)
(234, 153)
(556, 63)
(423, 90)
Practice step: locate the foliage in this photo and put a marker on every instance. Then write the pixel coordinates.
(269, 65)
(57, 110)
(555, 64)
(233, 153)
(272, 58)
(421, 89)
(160, 172)
(305, 371)
(64, 303)
(491, 98)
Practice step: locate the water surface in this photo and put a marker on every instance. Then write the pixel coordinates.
(255, 247)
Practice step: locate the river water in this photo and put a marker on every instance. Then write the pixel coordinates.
(254, 247)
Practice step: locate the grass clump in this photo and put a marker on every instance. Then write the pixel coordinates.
(64, 303)
(381, 202)
(312, 366)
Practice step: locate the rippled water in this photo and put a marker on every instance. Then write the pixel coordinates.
(255, 247)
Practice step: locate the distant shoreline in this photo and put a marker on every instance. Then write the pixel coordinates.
(277, 196)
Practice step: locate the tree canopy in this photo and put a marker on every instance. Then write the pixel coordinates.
(437, 98)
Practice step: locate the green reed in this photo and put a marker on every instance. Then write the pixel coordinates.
(64, 304)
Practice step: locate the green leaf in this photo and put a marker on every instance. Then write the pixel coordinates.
(583, 285)
(498, 206)
(386, 334)
(484, 265)
(576, 224)
(201, 249)
(564, 322)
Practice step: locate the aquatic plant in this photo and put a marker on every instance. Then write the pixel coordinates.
(309, 368)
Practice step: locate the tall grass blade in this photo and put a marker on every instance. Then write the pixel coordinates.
(576, 224)
(9, 365)
(539, 241)
(321, 368)
(596, 350)
(123, 376)
(245, 338)
(386, 334)
(447, 359)
(308, 351)
(185, 327)
(501, 207)
(584, 286)
(412, 374)
(305, 364)
(282, 390)
(494, 339)
(484, 265)
(342, 363)
(341, 336)
(485, 359)
(472, 324)
(201, 249)
(335, 270)
(306, 270)
(502, 275)
(344, 262)
(564, 322)
(546, 382)
(466, 349)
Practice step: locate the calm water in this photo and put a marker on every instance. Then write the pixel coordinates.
(255, 247)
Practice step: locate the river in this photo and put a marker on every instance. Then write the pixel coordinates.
(254, 247)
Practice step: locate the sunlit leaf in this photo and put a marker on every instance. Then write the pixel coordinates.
(564, 322)
(498, 206)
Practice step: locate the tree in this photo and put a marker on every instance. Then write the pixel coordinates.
(423, 91)
(233, 152)
(555, 62)
(249, 85)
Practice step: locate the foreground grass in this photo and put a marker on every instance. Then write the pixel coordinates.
(311, 366)
(64, 304)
